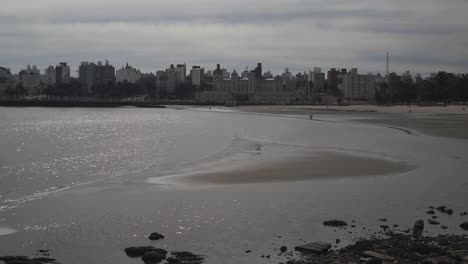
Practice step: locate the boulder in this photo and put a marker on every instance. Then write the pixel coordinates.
(445, 260)
(335, 223)
(441, 208)
(283, 249)
(43, 259)
(378, 255)
(136, 252)
(433, 222)
(418, 227)
(315, 248)
(431, 212)
(155, 236)
(153, 257)
(13, 258)
(464, 226)
(449, 211)
(374, 261)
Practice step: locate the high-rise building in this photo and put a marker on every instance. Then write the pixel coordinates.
(358, 87)
(317, 78)
(332, 78)
(258, 71)
(91, 74)
(7, 80)
(225, 74)
(31, 79)
(218, 72)
(181, 70)
(62, 73)
(128, 74)
(197, 75)
(50, 75)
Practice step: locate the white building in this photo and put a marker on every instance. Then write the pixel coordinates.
(50, 78)
(317, 78)
(197, 75)
(31, 79)
(128, 74)
(358, 87)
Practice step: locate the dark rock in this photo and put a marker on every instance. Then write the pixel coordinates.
(440, 260)
(13, 258)
(378, 255)
(136, 252)
(335, 223)
(267, 256)
(430, 212)
(353, 226)
(374, 261)
(337, 240)
(315, 248)
(283, 249)
(187, 257)
(383, 219)
(441, 208)
(395, 225)
(418, 227)
(433, 222)
(434, 217)
(384, 226)
(464, 226)
(449, 211)
(464, 213)
(23, 262)
(443, 227)
(425, 249)
(431, 207)
(248, 251)
(153, 257)
(155, 236)
(43, 259)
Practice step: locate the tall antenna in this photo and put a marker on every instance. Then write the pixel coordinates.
(387, 69)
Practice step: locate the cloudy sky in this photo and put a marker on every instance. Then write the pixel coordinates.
(421, 35)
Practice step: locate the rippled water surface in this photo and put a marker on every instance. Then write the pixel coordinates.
(77, 181)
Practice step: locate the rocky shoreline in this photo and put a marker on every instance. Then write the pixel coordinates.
(388, 245)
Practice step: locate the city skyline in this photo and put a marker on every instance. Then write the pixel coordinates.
(300, 35)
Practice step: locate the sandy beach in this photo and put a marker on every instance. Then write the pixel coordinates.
(393, 109)
(299, 168)
(442, 121)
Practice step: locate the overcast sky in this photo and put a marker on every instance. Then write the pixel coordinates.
(421, 35)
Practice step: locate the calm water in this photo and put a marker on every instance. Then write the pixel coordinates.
(75, 180)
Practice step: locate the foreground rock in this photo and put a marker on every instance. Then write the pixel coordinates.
(335, 223)
(136, 252)
(26, 260)
(418, 228)
(464, 226)
(185, 257)
(397, 248)
(155, 236)
(314, 248)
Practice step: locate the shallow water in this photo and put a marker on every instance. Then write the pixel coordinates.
(76, 181)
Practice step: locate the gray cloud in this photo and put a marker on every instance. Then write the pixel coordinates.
(422, 35)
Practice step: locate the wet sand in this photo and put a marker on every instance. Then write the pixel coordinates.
(455, 126)
(322, 165)
(450, 121)
(394, 109)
